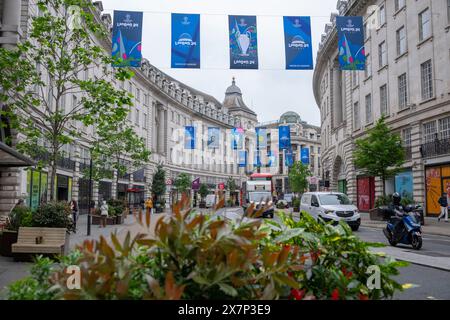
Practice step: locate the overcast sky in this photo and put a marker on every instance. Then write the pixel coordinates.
(269, 91)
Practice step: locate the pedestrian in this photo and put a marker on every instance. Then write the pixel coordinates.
(74, 209)
(104, 214)
(444, 207)
(149, 205)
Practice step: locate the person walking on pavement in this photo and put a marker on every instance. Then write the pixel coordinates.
(74, 209)
(444, 207)
(149, 205)
(104, 214)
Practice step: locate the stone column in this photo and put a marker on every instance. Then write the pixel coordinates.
(418, 165)
(76, 175)
(160, 134)
(11, 16)
(114, 185)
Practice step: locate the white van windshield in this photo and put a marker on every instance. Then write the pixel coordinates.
(259, 196)
(334, 199)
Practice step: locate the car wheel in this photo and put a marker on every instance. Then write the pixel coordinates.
(355, 228)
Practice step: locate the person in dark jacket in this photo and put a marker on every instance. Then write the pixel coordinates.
(443, 202)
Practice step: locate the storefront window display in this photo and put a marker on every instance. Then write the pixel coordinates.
(404, 184)
(437, 182)
(37, 184)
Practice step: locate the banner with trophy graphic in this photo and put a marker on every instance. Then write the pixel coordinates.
(352, 55)
(243, 42)
(298, 45)
(213, 138)
(237, 135)
(272, 161)
(189, 137)
(284, 137)
(257, 159)
(185, 40)
(261, 134)
(127, 39)
(289, 157)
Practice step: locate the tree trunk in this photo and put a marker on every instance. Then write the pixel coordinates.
(384, 186)
(53, 176)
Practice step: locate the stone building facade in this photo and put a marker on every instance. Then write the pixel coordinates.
(407, 78)
(303, 135)
(162, 108)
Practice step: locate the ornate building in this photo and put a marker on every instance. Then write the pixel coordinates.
(407, 78)
(303, 135)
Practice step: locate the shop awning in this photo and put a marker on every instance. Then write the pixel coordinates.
(11, 158)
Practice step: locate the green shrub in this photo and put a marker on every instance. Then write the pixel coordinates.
(280, 205)
(383, 201)
(116, 207)
(20, 216)
(406, 201)
(54, 215)
(296, 202)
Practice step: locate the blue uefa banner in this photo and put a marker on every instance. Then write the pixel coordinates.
(242, 159)
(257, 159)
(213, 138)
(298, 43)
(284, 136)
(185, 40)
(243, 42)
(238, 138)
(189, 137)
(261, 135)
(289, 157)
(127, 39)
(272, 161)
(352, 55)
(305, 155)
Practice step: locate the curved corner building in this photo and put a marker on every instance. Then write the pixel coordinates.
(407, 78)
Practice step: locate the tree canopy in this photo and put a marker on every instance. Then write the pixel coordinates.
(298, 177)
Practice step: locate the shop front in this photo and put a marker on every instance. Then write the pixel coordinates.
(365, 193)
(63, 188)
(37, 188)
(437, 182)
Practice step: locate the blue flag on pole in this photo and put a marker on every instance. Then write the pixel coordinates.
(238, 138)
(257, 159)
(243, 42)
(272, 162)
(185, 40)
(261, 135)
(305, 155)
(297, 37)
(284, 137)
(213, 138)
(289, 156)
(352, 55)
(189, 138)
(242, 159)
(127, 39)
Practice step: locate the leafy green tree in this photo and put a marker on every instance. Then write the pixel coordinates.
(118, 147)
(158, 187)
(183, 183)
(46, 85)
(231, 185)
(203, 191)
(298, 177)
(380, 153)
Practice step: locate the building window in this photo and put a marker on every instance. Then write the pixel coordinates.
(137, 117)
(369, 115)
(406, 137)
(444, 128)
(356, 119)
(402, 91)
(382, 54)
(426, 71)
(425, 24)
(368, 71)
(355, 78)
(138, 94)
(399, 4)
(173, 116)
(384, 100)
(401, 40)
(146, 99)
(366, 31)
(382, 15)
(145, 121)
(429, 131)
(130, 88)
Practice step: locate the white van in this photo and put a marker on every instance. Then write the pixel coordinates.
(331, 206)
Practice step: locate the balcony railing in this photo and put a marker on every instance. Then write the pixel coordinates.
(438, 147)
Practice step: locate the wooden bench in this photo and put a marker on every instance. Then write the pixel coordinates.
(54, 242)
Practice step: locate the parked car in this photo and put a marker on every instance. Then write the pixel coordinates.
(282, 204)
(331, 206)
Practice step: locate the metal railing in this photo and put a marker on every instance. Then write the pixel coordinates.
(438, 147)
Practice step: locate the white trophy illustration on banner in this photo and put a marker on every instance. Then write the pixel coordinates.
(243, 37)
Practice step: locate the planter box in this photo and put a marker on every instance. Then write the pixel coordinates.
(120, 219)
(7, 240)
(96, 220)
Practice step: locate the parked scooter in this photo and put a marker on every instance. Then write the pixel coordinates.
(404, 227)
